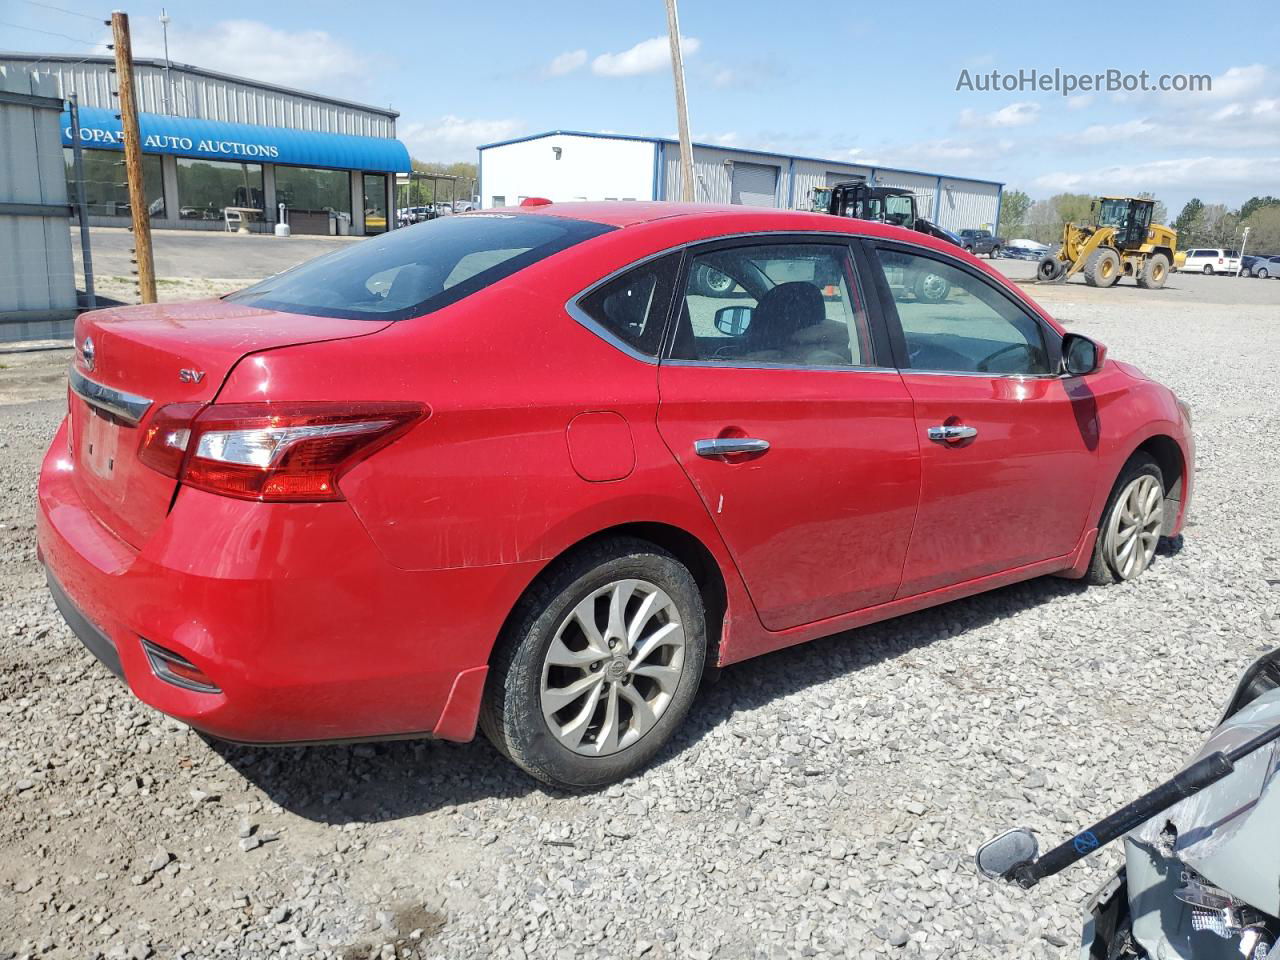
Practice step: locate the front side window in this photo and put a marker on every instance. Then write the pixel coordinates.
(789, 304)
(407, 273)
(207, 187)
(954, 322)
(632, 307)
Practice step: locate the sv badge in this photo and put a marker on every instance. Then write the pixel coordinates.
(187, 375)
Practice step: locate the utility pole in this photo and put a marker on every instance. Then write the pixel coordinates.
(119, 23)
(168, 82)
(682, 105)
(1244, 242)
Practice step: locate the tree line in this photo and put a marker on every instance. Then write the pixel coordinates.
(1199, 224)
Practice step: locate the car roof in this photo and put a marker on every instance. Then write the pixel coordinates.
(630, 213)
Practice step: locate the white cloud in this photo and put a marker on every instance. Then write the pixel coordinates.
(647, 56)
(1014, 115)
(567, 62)
(309, 59)
(1079, 101)
(1191, 173)
(1237, 82)
(454, 138)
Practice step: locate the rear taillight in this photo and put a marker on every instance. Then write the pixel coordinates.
(278, 452)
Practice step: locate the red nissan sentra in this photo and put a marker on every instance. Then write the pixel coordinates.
(538, 468)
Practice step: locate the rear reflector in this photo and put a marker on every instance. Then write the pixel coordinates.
(278, 452)
(177, 669)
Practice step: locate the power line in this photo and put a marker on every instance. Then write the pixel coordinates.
(70, 13)
(50, 33)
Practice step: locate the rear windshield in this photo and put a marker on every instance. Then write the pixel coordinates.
(418, 269)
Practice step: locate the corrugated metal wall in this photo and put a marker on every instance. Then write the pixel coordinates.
(37, 279)
(967, 204)
(213, 98)
(922, 185)
(713, 177)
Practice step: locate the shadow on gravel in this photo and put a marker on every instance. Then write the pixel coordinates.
(388, 781)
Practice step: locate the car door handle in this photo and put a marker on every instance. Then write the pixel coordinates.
(724, 446)
(950, 434)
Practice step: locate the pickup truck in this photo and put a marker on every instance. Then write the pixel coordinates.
(981, 241)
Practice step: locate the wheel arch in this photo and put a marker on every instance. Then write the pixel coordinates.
(1169, 458)
(681, 544)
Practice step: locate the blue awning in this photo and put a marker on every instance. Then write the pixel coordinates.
(211, 140)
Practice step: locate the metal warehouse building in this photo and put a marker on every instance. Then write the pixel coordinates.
(220, 150)
(569, 165)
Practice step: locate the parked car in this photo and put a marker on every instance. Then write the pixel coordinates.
(1246, 265)
(981, 241)
(1211, 260)
(1022, 253)
(1266, 267)
(514, 470)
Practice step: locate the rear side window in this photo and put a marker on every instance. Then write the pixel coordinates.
(418, 269)
(632, 308)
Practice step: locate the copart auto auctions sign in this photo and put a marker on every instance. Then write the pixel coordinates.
(169, 143)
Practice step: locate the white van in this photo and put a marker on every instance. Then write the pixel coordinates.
(1211, 260)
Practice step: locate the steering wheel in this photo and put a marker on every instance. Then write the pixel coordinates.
(984, 365)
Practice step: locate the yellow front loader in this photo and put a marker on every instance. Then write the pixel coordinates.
(1122, 243)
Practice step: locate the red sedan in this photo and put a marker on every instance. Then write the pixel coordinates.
(537, 468)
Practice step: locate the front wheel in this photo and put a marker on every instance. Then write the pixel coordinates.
(1131, 523)
(995, 253)
(598, 666)
(1154, 272)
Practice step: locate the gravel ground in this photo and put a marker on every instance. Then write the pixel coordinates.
(822, 801)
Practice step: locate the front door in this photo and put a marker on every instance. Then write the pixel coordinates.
(801, 447)
(1007, 447)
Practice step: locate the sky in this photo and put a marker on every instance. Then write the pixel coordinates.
(861, 82)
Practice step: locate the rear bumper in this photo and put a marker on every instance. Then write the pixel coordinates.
(290, 609)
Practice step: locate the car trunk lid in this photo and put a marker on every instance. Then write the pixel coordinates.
(132, 361)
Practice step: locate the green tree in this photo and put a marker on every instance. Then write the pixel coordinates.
(1073, 207)
(1254, 204)
(1264, 230)
(1189, 223)
(1014, 205)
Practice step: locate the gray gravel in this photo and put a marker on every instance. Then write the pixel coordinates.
(822, 801)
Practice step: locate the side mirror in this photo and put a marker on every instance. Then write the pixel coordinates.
(1081, 356)
(733, 320)
(997, 858)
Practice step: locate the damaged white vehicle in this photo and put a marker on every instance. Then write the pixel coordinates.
(1201, 879)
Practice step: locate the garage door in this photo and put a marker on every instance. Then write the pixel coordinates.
(754, 185)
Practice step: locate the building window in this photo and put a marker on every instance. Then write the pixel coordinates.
(207, 187)
(375, 202)
(105, 188)
(313, 190)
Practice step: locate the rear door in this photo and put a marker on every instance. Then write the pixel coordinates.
(1007, 447)
(780, 403)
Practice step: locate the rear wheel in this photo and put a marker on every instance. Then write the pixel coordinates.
(995, 252)
(1155, 270)
(1208, 270)
(931, 287)
(1102, 269)
(710, 282)
(1131, 523)
(599, 665)
(1261, 273)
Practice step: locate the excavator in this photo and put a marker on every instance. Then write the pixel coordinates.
(1122, 242)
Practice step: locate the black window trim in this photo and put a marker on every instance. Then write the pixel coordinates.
(879, 338)
(1052, 338)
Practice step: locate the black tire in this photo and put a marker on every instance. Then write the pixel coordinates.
(995, 252)
(931, 287)
(709, 282)
(1262, 273)
(1047, 270)
(1102, 269)
(511, 715)
(1208, 270)
(1155, 270)
(1101, 570)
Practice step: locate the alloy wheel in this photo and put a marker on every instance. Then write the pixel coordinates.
(1134, 528)
(612, 668)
